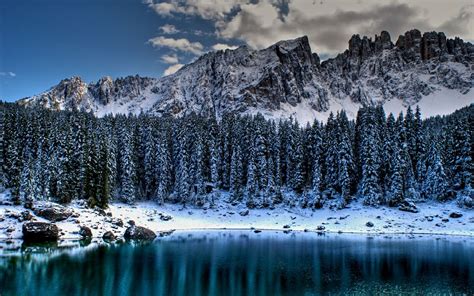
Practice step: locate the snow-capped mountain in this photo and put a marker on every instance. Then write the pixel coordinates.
(287, 79)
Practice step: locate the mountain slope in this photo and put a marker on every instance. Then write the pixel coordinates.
(288, 79)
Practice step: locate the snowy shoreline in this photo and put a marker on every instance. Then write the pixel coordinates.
(432, 219)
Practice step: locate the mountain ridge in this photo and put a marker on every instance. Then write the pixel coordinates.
(287, 79)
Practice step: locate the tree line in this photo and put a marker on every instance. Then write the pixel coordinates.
(63, 156)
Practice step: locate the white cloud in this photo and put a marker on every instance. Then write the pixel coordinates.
(177, 44)
(328, 24)
(172, 69)
(169, 29)
(222, 46)
(170, 59)
(9, 74)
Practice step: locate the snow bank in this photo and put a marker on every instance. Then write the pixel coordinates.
(433, 218)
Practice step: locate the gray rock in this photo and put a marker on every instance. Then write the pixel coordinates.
(165, 233)
(455, 215)
(165, 217)
(244, 213)
(108, 236)
(40, 232)
(408, 206)
(369, 224)
(53, 213)
(139, 233)
(85, 232)
(26, 216)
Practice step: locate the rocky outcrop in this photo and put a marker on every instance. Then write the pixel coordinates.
(85, 232)
(53, 213)
(282, 76)
(108, 236)
(139, 233)
(40, 232)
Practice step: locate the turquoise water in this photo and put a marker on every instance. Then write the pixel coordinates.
(245, 263)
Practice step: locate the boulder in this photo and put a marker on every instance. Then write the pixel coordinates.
(166, 233)
(408, 206)
(53, 213)
(244, 213)
(26, 216)
(455, 215)
(139, 233)
(165, 217)
(85, 232)
(108, 236)
(40, 232)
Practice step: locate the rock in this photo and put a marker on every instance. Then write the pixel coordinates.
(445, 220)
(455, 215)
(343, 217)
(2, 219)
(369, 224)
(117, 221)
(286, 226)
(320, 228)
(244, 213)
(131, 222)
(165, 233)
(139, 233)
(40, 232)
(26, 216)
(75, 215)
(53, 213)
(407, 206)
(13, 215)
(85, 232)
(109, 214)
(108, 236)
(165, 217)
(257, 231)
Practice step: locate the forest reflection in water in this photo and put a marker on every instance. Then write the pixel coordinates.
(245, 263)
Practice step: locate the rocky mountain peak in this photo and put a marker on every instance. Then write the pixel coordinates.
(285, 78)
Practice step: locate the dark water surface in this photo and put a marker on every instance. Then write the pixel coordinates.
(244, 263)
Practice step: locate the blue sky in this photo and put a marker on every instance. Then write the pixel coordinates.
(44, 41)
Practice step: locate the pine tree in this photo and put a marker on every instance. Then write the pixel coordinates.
(236, 174)
(434, 184)
(462, 167)
(128, 189)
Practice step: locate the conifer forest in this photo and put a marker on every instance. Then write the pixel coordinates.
(378, 158)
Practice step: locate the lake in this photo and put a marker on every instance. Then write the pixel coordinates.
(246, 263)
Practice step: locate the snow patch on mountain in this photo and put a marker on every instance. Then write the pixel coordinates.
(287, 79)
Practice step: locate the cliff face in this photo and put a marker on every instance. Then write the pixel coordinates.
(283, 76)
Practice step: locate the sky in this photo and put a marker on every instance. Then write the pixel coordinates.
(45, 41)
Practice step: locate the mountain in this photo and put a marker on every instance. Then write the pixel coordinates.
(287, 79)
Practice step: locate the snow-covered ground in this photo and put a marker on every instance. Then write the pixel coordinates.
(433, 218)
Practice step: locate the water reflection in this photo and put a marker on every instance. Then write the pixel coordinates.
(238, 263)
